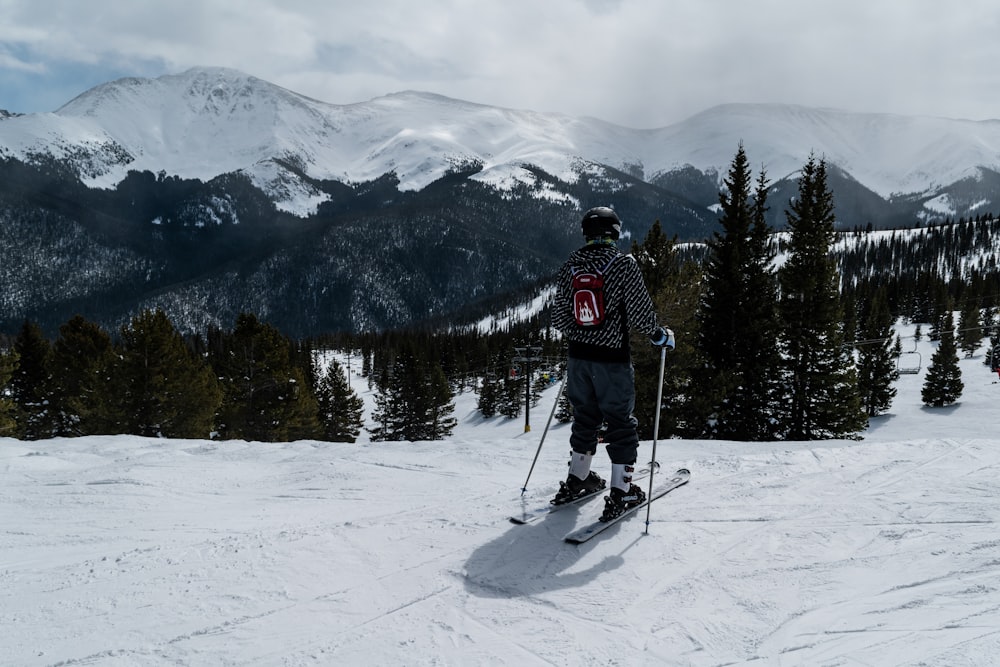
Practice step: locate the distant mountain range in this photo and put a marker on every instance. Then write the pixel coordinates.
(212, 192)
(212, 121)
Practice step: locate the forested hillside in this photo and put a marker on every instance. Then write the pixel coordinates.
(780, 334)
(372, 257)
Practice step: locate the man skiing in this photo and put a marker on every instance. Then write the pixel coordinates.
(600, 296)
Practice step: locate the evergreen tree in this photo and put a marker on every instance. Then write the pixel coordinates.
(939, 303)
(489, 391)
(83, 359)
(340, 408)
(164, 390)
(674, 287)
(414, 400)
(387, 416)
(31, 384)
(539, 384)
(822, 398)
(943, 382)
(991, 329)
(511, 398)
(876, 355)
(8, 408)
(437, 421)
(564, 410)
(738, 329)
(970, 331)
(265, 395)
(504, 394)
(989, 321)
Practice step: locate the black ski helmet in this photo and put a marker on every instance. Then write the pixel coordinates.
(601, 222)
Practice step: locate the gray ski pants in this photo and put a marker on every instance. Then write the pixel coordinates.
(602, 392)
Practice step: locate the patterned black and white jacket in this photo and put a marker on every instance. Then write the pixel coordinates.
(626, 303)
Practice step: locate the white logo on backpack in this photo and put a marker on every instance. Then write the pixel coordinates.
(588, 295)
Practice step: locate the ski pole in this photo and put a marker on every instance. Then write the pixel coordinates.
(540, 442)
(656, 431)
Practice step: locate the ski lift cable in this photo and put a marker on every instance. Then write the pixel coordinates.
(876, 341)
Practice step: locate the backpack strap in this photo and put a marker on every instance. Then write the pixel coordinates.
(573, 270)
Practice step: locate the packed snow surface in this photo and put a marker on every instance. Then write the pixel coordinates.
(120, 551)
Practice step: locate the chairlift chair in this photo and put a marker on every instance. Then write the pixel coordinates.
(912, 364)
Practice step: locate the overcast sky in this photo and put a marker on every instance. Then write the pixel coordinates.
(638, 63)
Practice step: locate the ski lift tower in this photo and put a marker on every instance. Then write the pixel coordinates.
(527, 355)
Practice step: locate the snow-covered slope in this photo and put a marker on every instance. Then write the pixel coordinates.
(209, 121)
(889, 154)
(131, 551)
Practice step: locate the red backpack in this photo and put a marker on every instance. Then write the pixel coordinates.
(588, 295)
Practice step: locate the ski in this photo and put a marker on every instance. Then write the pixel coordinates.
(581, 535)
(536, 513)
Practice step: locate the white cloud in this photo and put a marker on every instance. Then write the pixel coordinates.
(10, 62)
(635, 62)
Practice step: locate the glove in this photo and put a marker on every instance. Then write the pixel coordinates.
(662, 338)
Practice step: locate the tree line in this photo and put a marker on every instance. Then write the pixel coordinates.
(251, 382)
(794, 349)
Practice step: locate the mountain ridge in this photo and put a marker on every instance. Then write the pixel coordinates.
(209, 121)
(212, 193)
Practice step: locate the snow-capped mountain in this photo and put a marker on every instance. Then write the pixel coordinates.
(212, 193)
(211, 121)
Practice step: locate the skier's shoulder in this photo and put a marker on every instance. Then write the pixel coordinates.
(598, 255)
(624, 262)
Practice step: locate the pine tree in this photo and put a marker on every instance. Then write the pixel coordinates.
(164, 389)
(539, 384)
(876, 368)
(83, 359)
(992, 330)
(970, 332)
(988, 320)
(31, 384)
(437, 422)
(387, 416)
(738, 316)
(265, 395)
(8, 408)
(941, 302)
(489, 391)
(340, 408)
(822, 398)
(674, 287)
(511, 397)
(564, 410)
(414, 400)
(943, 382)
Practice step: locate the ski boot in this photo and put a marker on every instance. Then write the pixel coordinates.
(619, 501)
(574, 487)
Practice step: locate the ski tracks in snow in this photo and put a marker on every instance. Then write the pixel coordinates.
(127, 551)
(848, 572)
(782, 557)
